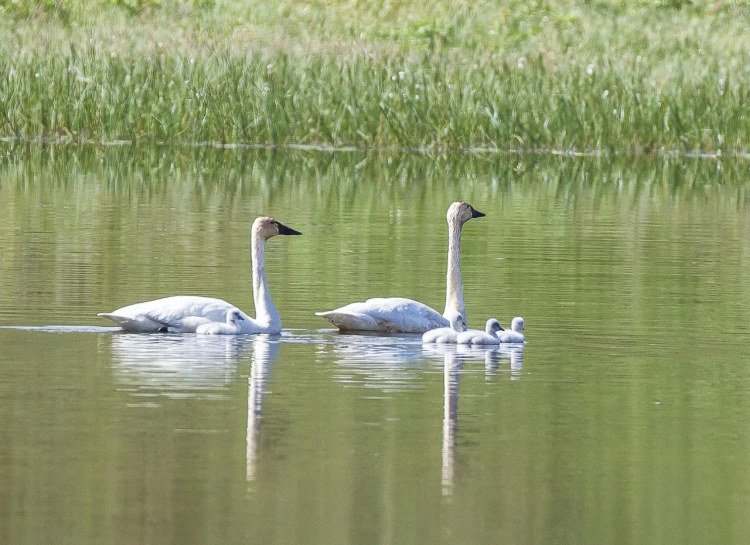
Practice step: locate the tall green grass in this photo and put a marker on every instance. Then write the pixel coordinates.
(514, 76)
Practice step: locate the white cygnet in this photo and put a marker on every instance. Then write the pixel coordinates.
(446, 334)
(230, 327)
(488, 336)
(514, 335)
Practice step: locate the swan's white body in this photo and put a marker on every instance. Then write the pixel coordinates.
(387, 314)
(400, 315)
(230, 327)
(514, 335)
(186, 313)
(445, 335)
(475, 336)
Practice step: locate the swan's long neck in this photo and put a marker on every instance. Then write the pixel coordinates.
(454, 292)
(265, 311)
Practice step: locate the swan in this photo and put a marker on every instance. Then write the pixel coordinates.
(400, 315)
(514, 335)
(185, 313)
(475, 336)
(230, 327)
(446, 334)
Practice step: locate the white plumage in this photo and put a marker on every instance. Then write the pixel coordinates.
(445, 335)
(514, 335)
(230, 327)
(399, 315)
(475, 336)
(186, 313)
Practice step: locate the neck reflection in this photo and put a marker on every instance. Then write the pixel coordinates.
(264, 354)
(453, 363)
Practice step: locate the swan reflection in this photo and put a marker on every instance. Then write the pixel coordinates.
(454, 357)
(451, 376)
(372, 361)
(175, 365)
(265, 352)
(180, 366)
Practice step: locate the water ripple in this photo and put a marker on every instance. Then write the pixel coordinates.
(177, 366)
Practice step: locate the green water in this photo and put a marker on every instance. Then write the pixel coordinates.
(624, 419)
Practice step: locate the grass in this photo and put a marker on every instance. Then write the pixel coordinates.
(568, 76)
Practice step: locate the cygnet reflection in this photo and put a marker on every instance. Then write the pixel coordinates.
(180, 366)
(386, 363)
(495, 358)
(455, 358)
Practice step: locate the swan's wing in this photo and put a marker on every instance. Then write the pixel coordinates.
(184, 314)
(178, 313)
(139, 324)
(388, 314)
(350, 321)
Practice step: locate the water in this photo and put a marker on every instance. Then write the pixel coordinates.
(623, 420)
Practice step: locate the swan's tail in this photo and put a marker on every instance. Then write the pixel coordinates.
(351, 321)
(140, 324)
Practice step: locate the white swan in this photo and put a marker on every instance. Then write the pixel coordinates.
(185, 313)
(399, 315)
(475, 336)
(514, 335)
(230, 327)
(446, 334)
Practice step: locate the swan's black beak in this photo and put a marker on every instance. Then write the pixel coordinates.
(284, 230)
(240, 317)
(476, 213)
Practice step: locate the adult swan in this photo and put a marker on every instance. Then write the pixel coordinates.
(399, 315)
(184, 313)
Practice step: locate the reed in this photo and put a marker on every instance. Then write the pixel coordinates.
(537, 76)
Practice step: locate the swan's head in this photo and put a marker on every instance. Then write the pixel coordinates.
(517, 324)
(234, 315)
(265, 228)
(457, 321)
(493, 326)
(460, 212)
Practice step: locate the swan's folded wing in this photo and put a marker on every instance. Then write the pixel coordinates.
(178, 313)
(350, 321)
(184, 314)
(387, 314)
(406, 315)
(139, 324)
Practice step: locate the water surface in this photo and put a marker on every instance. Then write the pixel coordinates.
(624, 419)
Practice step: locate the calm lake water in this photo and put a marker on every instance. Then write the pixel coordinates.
(624, 419)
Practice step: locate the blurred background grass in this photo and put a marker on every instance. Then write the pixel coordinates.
(570, 76)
